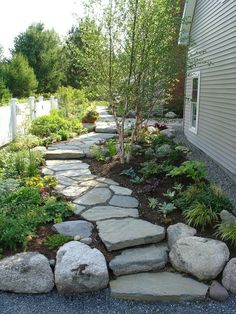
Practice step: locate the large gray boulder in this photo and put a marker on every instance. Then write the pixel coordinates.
(170, 115)
(201, 257)
(80, 269)
(74, 227)
(178, 231)
(26, 273)
(229, 276)
(169, 133)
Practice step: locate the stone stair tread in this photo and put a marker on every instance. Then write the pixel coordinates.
(149, 258)
(162, 287)
(117, 234)
(64, 154)
(107, 212)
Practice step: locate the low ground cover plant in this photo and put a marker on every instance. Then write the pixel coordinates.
(54, 241)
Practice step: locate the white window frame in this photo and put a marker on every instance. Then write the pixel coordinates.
(192, 128)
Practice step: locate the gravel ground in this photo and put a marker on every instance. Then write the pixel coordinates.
(101, 302)
(214, 172)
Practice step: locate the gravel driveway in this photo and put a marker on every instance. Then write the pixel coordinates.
(101, 302)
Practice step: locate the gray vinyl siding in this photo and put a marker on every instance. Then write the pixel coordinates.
(214, 30)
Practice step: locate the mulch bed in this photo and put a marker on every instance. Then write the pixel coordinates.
(112, 169)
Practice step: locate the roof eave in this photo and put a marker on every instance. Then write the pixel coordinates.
(186, 22)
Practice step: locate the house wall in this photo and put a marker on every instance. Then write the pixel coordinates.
(214, 30)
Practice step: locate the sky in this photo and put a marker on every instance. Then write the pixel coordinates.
(17, 15)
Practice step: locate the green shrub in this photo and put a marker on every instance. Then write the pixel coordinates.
(45, 125)
(152, 168)
(23, 163)
(111, 147)
(195, 170)
(57, 211)
(199, 215)
(97, 152)
(91, 116)
(24, 142)
(206, 194)
(56, 240)
(227, 232)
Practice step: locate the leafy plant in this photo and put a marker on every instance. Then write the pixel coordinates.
(42, 182)
(9, 185)
(24, 142)
(97, 152)
(170, 194)
(152, 202)
(195, 170)
(227, 232)
(199, 215)
(129, 173)
(151, 186)
(166, 208)
(111, 147)
(178, 187)
(152, 168)
(137, 180)
(56, 240)
(57, 211)
(182, 149)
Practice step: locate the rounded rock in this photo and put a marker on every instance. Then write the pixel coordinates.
(229, 276)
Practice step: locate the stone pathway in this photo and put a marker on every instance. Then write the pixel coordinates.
(114, 210)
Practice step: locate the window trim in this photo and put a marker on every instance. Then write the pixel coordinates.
(191, 128)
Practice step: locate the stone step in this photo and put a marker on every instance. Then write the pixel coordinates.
(107, 212)
(158, 287)
(122, 233)
(64, 154)
(150, 258)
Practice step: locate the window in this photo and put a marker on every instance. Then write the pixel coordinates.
(194, 102)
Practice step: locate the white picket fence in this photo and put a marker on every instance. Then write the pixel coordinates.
(15, 118)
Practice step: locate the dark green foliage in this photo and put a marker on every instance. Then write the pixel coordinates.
(56, 240)
(206, 194)
(43, 50)
(129, 173)
(5, 94)
(20, 77)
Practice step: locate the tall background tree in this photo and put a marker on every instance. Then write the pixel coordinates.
(137, 57)
(43, 49)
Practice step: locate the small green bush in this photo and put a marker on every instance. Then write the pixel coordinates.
(56, 240)
(57, 211)
(45, 125)
(227, 232)
(91, 116)
(195, 170)
(152, 168)
(9, 185)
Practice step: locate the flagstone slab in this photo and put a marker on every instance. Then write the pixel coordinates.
(107, 181)
(74, 191)
(84, 177)
(117, 234)
(65, 180)
(78, 209)
(64, 154)
(124, 201)
(69, 166)
(108, 212)
(93, 183)
(149, 258)
(74, 173)
(75, 228)
(158, 287)
(120, 190)
(94, 197)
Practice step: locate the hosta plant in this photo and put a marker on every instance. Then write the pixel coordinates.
(166, 208)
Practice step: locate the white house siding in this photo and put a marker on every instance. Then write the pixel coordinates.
(214, 30)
